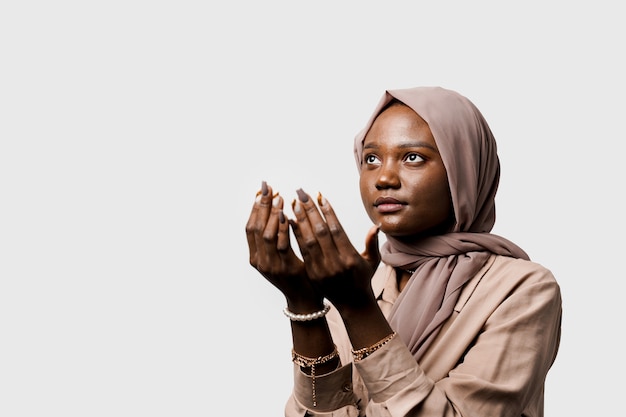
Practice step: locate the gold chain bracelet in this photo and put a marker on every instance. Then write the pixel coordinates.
(306, 362)
(363, 353)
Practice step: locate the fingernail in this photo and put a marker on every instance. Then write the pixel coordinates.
(321, 200)
(264, 189)
(302, 195)
(281, 217)
(297, 207)
(276, 201)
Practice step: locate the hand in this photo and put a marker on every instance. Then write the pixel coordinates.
(267, 232)
(342, 274)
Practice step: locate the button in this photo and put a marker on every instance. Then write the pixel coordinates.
(347, 388)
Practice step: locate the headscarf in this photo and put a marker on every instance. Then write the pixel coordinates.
(444, 263)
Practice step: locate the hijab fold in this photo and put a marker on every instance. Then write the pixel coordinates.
(444, 263)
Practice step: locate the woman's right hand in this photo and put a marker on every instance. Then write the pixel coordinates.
(332, 263)
(271, 254)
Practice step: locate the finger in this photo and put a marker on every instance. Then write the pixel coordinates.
(251, 222)
(270, 233)
(259, 200)
(319, 226)
(257, 223)
(275, 230)
(337, 233)
(297, 232)
(293, 223)
(283, 243)
(311, 227)
(372, 249)
(277, 251)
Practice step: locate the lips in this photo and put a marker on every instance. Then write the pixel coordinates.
(388, 205)
(386, 200)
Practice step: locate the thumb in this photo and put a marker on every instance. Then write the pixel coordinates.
(372, 251)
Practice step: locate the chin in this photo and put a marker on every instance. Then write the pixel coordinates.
(394, 230)
(401, 232)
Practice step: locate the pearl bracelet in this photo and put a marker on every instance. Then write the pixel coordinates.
(308, 317)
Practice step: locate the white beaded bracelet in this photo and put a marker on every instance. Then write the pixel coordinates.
(308, 317)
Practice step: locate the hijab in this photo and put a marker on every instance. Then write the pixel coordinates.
(444, 263)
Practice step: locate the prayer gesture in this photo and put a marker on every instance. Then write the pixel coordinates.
(334, 266)
(331, 267)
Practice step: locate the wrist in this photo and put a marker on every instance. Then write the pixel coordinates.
(314, 315)
(356, 306)
(300, 305)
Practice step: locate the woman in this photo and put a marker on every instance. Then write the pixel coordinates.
(446, 319)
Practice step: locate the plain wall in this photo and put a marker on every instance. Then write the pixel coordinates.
(134, 136)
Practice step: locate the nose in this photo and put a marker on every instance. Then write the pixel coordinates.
(388, 176)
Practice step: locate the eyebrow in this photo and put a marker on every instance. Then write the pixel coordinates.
(407, 145)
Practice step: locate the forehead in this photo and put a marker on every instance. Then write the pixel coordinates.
(399, 122)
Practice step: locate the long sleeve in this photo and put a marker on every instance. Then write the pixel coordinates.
(489, 359)
(334, 393)
(502, 373)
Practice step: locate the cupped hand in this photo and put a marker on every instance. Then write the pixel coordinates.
(332, 263)
(267, 232)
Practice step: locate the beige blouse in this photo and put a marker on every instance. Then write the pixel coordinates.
(490, 358)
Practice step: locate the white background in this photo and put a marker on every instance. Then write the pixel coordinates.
(134, 136)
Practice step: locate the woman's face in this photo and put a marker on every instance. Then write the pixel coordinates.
(403, 181)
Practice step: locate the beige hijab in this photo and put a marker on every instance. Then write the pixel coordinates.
(446, 262)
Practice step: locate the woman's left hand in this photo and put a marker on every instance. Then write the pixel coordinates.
(332, 263)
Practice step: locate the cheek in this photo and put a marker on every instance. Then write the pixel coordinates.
(363, 189)
(442, 201)
(432, 194)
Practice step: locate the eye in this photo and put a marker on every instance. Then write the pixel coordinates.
(371, 159)
(414, 157)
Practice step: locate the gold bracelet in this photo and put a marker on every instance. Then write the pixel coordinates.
(306, 362)
(363, 353)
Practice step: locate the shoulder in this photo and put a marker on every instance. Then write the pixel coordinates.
(504, 276)
(519, 270)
